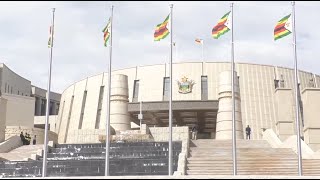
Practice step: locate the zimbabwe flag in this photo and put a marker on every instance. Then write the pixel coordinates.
(283, 27)
(222, 27)
(162, 31)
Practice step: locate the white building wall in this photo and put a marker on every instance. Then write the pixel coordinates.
(256, 89)
(90, 113)
(77, 103)
(64, 114)
(192, 71)
(151, 83)
(20, 110)
(15, 81)
(212, 70)
(52, 121)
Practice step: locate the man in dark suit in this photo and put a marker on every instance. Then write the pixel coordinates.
(248, 132)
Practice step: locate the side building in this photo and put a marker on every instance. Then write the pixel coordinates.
(20, 106)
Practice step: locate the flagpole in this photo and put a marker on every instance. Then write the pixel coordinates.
(202, 44)
(107, 168)
(202, 50)
(140, 115)
(296, 90)
(234, 152)
(45, 146)
(170, 102)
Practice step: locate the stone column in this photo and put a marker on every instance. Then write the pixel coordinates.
(3, 109)
(285, 111)
(119, 116)
(311, 104)
(224, 116)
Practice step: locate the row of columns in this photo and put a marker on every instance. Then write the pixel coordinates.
(38, 108)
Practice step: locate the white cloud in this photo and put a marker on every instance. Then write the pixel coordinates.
(78, 45)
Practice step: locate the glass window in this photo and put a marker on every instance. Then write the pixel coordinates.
(204, 87)
(135, 91)
(82, 109)
(166, 88)
(99, 107)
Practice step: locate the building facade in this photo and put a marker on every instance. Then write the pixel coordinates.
(22, 105)
(265, 100)
(14, 84)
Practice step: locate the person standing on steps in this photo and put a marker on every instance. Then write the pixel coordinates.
(194, 131)
(248, 132)
(34, 140)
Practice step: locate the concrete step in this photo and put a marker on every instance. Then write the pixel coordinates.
(254, 157)
(210, 159)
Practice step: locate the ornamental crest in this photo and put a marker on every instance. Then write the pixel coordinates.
(185, 86)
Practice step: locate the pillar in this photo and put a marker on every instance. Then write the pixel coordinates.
(119, 116)
(311, 104)
(3, 110)
(224, 116)
(285, 111)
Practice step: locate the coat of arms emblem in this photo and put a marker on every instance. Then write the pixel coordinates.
(185, 86)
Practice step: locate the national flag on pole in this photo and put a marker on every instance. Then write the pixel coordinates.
(50, 44)
(283, 27)
(106, 33)
(199, 41)
(161, 30)
(223, 26)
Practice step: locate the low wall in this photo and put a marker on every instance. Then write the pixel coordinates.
(291, 142)
(178, 134)
(16, 130)
(10, 144)
(41, 120)
(86, 135)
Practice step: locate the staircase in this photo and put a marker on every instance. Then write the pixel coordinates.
(131, 158)
(254, 157)
(21, 153)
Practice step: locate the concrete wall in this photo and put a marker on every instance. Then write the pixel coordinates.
(285, 110)
(178, 134)
(16, 130)
(41, 120)
(256, 82)
(311, 104)
(19, 85)
(3, 109)
(20, 110)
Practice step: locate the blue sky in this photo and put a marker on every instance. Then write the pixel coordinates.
(78, 42)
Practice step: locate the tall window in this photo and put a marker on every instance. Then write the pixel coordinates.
(82, 109)
(43, 107)
(99, 107)
(204, 87)
(51, 108)
(57, 108)
(5, 88)
(166, 88)
(69, 117)
(276, 83)
(135, 91)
